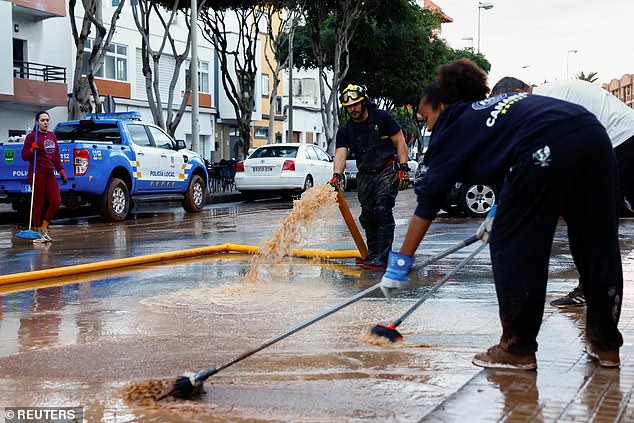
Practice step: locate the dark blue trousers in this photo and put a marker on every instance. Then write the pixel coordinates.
(574, 178)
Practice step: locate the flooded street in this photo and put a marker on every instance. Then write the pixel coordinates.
(99, 340)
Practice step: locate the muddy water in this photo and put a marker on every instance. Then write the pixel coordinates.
(103, 342)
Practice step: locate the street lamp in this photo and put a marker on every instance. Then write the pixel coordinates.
(568, 60)
(529, 73)
(485, 6)
(469, 39)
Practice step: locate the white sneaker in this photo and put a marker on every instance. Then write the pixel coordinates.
(44, 237)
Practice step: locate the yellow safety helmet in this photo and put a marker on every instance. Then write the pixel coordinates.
(353, 94)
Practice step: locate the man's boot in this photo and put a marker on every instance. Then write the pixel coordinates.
(385, 237)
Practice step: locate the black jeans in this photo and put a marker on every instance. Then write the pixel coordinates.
(577, 181)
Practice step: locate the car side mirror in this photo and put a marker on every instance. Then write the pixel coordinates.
(180, 144)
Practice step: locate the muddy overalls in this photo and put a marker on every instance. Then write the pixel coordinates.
(376, 187)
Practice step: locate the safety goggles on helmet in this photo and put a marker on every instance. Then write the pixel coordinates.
(352, 94)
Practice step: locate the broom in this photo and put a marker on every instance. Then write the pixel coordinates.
(390, 332)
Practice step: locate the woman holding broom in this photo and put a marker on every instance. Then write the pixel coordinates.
(42, 152)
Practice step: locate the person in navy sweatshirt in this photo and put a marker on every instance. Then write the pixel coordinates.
(42, 152)
(548, 154)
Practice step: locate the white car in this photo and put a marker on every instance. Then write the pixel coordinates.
(351, 171)
(284, 169)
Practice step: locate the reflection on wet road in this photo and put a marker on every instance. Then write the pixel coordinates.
(82, 341)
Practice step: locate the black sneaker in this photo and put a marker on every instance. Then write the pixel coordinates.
(574, 298)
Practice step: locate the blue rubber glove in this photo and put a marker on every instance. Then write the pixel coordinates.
(484, 231)
(395, 277)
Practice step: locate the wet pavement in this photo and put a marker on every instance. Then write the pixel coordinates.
(81, 341)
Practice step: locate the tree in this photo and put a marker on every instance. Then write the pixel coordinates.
(467, 53)
(144, 12)
(395, 52)
(234, 34)
(280, 26)
(590, 77)
(333, 64)
(85, 88)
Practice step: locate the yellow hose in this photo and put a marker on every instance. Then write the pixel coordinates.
(153, 258)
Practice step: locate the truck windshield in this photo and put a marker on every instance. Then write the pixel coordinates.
(88, 131)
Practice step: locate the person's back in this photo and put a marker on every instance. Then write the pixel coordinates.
(614, 115)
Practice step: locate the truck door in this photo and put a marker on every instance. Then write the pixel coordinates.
(146, 167)
(174, 175)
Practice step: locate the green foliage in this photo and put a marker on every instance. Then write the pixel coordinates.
(395, 51)
(468, 53)
(590, 77)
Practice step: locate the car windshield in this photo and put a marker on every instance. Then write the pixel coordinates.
(89, 132)
(275, 151)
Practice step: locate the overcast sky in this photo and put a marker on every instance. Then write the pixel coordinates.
(530, 39)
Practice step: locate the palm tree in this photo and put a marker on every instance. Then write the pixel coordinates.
(591, 77)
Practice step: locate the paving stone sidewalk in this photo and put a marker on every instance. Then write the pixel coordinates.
(567, 387)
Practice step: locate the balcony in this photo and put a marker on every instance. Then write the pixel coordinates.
(36, 84)
(40, 9)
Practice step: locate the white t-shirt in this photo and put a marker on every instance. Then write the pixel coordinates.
(617, 118)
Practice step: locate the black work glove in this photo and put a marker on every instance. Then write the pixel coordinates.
(403, 176)
(337, 181)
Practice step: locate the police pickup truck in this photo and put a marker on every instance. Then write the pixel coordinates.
(112, 161)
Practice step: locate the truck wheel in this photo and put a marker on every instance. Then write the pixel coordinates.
(195, 195)
(115, 204)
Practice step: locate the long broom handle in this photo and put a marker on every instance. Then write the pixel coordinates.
(445, 253)
(33, 179)
(438, 284)
(203, 375)
(352, 226)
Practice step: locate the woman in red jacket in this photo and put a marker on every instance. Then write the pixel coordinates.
(40, 147)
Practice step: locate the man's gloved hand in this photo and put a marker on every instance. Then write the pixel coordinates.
(484, 230)
(64, 177)
(402, 172)
(336, 181)
(34, 146)
(395, 277)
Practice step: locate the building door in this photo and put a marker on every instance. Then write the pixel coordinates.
(20, 70)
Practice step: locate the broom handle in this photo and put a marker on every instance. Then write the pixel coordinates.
(438, 284)
(445, 253)
(33, 179)
(203, 375)
(352, 226)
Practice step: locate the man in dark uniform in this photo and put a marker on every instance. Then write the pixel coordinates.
(378, 143)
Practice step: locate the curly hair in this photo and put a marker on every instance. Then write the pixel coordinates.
(461, 80)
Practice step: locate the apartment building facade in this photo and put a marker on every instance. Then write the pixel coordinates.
(37, 36)
(622, 88)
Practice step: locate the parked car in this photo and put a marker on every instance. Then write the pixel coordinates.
(473, 200)
(286, 169)
(350, 173)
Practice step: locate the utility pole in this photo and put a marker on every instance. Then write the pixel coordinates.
(290, 83)
(193, 77)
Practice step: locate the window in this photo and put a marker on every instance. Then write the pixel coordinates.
(261, 132)
(265, 85)
(139, 135)
(115, 64)
(161, 139)
(203, 77)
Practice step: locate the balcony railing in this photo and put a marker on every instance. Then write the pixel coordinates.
(38, 71)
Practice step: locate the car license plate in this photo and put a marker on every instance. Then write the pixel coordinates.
(262, 168)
